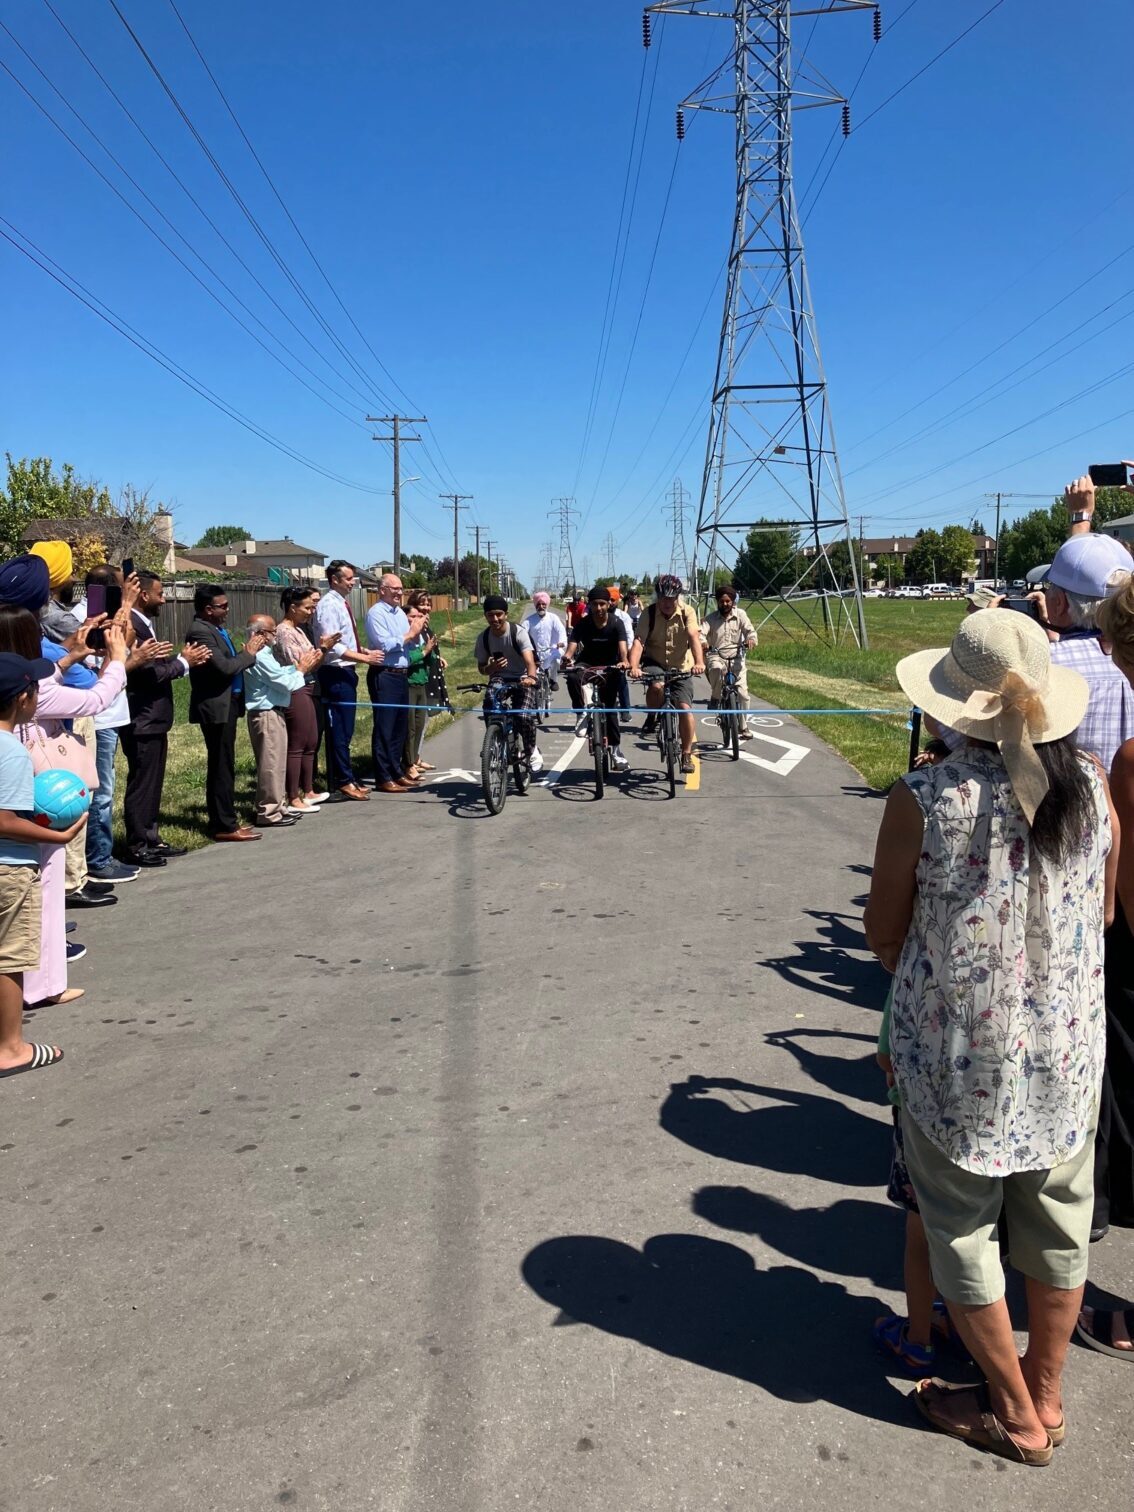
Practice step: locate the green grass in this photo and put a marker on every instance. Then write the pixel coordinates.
(184, 818)
(794, 669)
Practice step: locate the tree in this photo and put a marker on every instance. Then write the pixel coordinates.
(976, 527)
(1033, 539)
(839, 556)
(125, 527)
(767, 560)
(891, 570)
(922, 560)
(219, 536)
(958, 556)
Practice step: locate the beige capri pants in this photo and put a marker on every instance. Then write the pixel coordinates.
(1048, 1213)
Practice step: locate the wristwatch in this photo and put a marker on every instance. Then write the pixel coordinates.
(1081, 517)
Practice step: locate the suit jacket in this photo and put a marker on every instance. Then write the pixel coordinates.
(149, 689)
(210, 697)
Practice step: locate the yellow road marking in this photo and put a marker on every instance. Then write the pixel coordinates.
(693, 778)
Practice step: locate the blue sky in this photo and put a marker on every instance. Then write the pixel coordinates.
(459, 174)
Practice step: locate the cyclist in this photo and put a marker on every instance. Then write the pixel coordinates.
(668, 639)
(504, 655)
(627, 624)
(598, 640)
(548, 636)
(723, 631)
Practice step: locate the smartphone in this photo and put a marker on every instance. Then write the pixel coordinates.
(1021, 605)
(128, 567)
(96, 600)
(1108, 474)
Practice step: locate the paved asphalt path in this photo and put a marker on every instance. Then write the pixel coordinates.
(417, 1159)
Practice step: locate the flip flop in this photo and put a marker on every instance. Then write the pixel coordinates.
(1093, 1339)
(988, 1433)
(42, 1055)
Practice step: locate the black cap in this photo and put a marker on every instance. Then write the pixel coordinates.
(599, 596)
(17, 674)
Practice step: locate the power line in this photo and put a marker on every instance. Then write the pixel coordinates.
(901, 89)
(78, 291)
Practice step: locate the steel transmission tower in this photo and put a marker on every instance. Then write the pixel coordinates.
(563, 513)
(770, 458)
(678, 513)
(609, 546)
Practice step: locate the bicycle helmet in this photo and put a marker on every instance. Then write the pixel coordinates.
(667, 585)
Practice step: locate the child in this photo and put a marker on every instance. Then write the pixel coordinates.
(20, 842)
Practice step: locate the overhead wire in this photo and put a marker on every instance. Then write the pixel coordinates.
(411, 404)
(15, 237)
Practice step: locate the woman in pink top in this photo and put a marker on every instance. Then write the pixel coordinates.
(19, 633)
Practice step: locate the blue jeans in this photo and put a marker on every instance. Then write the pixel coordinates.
(100, 833)
(339, 687)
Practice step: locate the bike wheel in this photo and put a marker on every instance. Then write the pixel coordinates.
(730, 716)
(494, 768)
(521, 771)
(672, 749)
(597, 749)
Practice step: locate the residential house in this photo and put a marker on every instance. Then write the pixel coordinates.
(282, 561)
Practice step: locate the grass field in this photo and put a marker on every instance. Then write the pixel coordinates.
(791, 669)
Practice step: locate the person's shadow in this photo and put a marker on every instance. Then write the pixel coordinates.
(827, 965)
(852, 1237)
(859, 1078)
(703, 1300)
(797, 1133)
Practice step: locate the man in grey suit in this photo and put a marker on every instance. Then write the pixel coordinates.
(216, 703)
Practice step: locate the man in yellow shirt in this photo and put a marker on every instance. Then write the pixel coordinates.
(668, 639)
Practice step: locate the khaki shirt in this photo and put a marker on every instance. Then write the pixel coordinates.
(722, 636)
(670, 645)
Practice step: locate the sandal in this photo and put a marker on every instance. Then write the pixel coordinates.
(42, 1055)
(1102, 1338)
(426, 766)
(987, 1433)
(891, 1335)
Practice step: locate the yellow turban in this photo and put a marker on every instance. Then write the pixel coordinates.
(57, 555)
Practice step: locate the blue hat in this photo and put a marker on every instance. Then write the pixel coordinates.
(25, 582)
(17, 674)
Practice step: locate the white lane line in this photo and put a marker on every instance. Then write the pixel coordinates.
(785, 764)
(551, 775)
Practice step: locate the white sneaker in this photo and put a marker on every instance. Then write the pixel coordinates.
(581, 724)
(619, 762)
(535, 761)
(317, 798)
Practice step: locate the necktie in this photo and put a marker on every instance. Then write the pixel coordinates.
(353, 626)
(238, 680)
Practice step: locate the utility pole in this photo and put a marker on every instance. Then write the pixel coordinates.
(770, 431)
(998, 495)
(488, 545)
(396, 422)
(476, 529)
(456, 506)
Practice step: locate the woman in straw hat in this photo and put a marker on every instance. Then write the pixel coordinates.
(993, 882)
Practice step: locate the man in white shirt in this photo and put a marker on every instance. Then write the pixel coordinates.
(548, 635)
(723, 633)
(338, 677)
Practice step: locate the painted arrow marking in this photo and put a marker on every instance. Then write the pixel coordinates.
(785, 764)
(454, 774)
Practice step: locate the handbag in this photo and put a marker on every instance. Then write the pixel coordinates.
(64, 750)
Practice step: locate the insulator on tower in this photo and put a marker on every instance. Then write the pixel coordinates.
(846, 118)
(680, 124)
(877, 23)
(645, 28)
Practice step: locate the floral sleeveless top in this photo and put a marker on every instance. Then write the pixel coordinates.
(998, 1031)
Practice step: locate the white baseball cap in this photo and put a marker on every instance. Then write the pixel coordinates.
(1092, 566)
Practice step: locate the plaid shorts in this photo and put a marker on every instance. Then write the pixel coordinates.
(900, 1189)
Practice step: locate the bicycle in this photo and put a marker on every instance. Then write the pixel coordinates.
(730, 718)
(598, 744)
(543, 694)
(667, 731)
(502, 747)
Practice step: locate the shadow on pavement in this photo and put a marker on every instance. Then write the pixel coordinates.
(705, 1301)
(797, 1133)
(827, 966)
(852, 1237)
(859, 1078)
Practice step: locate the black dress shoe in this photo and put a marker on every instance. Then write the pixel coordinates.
(164, 848)
(147, 856)
(86, 897)
(285, 823)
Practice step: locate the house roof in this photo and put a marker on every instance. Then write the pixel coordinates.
(284, 548)
(72, 529)
(1126, 521)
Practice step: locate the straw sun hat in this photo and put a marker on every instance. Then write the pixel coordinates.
(996, 682)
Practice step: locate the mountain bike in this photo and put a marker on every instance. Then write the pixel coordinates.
(598, 744)
(667, 730)
(543, 693)
(731, 717)
(502, 747)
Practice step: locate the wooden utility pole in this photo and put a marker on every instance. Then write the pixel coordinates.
(456, 506)
(476, 529)
(396, 422)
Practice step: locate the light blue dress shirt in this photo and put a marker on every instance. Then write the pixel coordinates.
(268, 684)
(387, 626)
(331, 614)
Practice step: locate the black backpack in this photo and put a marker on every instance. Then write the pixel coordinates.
(483, 636)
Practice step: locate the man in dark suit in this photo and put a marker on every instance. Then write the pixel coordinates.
(216, 703)
(150, 673)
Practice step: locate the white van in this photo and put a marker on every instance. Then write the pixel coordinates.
(938, 590)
